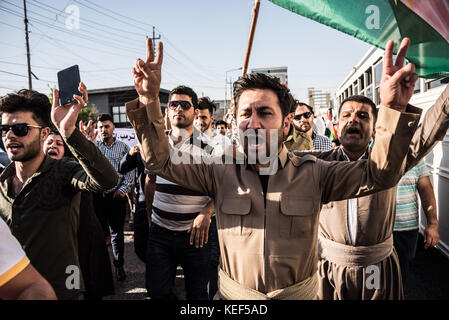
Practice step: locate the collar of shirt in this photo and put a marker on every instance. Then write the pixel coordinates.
(108, 146)
(347, 158)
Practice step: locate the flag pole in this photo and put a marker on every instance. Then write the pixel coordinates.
(251, 36)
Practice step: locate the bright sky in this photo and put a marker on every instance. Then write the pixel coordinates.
(203, 39)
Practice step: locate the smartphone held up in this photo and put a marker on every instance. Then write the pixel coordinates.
(68, 82)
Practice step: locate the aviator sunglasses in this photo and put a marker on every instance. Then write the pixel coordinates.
(305, 115)
(19, 129)
(185, 105)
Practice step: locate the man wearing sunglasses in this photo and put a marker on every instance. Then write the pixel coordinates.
(303, 122)
(40, 196)
(180, 219)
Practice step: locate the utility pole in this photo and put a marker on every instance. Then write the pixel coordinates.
(28, 45)
(154, 41)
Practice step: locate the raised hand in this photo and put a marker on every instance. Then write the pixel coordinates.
(64, 117)
(147, 75)
(398, 82)
(89, 130)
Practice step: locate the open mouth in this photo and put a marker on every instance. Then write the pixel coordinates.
(14, 147)
(353, 131)
(255, 141)
(52, 153)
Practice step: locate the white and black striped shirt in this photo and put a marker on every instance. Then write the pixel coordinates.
(175, 207)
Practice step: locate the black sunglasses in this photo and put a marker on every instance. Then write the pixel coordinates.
(305, 115)
(185, 105)
(19, 129)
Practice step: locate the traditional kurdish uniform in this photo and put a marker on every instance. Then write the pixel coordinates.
(268, 225)
(356, 234)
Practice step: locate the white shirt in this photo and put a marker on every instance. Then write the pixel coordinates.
(12, 257)
(220, 143)
(352, 210)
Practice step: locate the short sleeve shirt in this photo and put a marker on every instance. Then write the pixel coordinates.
(12, 257)
(407, 215)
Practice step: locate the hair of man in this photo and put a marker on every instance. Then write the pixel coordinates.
(105, 117)
(361, 99)
(28, 101)
(302, 104)
(205, 103)
(187, 91)
(265, 82)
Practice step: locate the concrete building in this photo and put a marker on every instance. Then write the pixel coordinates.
(112, 101)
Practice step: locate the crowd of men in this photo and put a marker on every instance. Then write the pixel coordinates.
(257, 205)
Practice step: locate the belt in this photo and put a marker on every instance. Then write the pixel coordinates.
(232, 290)
(351, 256)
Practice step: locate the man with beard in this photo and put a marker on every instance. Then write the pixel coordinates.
(205, 116)
(40, 196)
(303, 123)
(357, 259)
(267, 224)
(295, 139)
(180, 218)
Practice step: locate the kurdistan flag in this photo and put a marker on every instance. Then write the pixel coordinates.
(425, 22)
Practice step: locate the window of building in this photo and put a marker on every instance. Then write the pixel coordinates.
(119, 115)
(356, 87)
(369, 77)
(378, 72)
(361, 83)
(434, 83)
(417, 86)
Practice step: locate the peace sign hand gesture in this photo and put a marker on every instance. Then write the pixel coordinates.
(147, 75)
(398, 82)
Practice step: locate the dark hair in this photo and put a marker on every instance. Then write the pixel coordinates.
(221, 122)
(67, 152)
(187, 91)
(302, 104)
(263, 81)
(361, 99)
(205, 103)
(104, 117)
(28, 101)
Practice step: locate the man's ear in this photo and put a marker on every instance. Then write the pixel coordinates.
(44, 133)
(374, 132)
(196, 112)
(212, 118)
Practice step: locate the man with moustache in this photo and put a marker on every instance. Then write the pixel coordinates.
(357, 260)
(205, 116)
(267, 224)
(303, 123)
(180, 218)
(40, 196)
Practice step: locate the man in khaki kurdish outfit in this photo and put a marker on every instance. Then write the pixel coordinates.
(268, 225)
(355, 235)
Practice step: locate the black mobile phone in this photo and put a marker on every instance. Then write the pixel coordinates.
(68, 82)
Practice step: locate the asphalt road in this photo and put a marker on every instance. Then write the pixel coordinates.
(429, 277)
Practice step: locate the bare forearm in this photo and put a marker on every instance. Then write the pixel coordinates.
(428, 201)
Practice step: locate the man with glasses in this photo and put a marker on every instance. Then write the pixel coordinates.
(180, 218)
(40, 196)
(303, 123)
